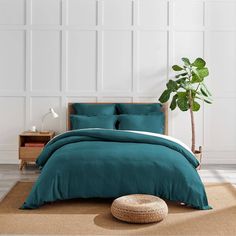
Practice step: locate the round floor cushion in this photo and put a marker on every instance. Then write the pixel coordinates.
(139, 208)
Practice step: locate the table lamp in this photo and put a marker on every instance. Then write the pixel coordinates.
(53, 114)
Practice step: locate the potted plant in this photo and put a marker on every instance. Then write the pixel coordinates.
(186, 90)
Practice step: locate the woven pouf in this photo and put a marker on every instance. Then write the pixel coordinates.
(139, 208)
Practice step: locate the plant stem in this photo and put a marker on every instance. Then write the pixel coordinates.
(197, 87)
(192, 121)
(193, 129)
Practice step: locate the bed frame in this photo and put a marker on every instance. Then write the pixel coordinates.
(70, 111)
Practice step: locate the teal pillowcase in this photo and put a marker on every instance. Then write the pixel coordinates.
(86, 109)
(139, 109)
(83, 122)
(148, 123)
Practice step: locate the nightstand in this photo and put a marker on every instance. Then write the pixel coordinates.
(31, 144)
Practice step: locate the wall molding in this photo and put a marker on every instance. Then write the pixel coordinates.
(137, 23)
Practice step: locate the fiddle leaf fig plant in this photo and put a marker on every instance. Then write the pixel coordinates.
(187, 89)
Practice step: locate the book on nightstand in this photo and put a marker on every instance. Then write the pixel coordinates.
(34, 144)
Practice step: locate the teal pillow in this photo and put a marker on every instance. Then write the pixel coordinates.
(86, 109)
(139, 109)
(148, 123)
(83, 122)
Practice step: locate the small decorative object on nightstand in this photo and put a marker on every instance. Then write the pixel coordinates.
(31, 144)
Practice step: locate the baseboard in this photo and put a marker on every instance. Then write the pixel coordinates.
(9, 157)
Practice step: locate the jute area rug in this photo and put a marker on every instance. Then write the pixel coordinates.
(93, 217)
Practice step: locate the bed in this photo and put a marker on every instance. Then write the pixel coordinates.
(111, 150)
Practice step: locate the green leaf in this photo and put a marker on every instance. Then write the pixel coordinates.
(165, 96)
(206, 89)
(199, 63)
(205, 99)
(181, 80)
(172, 85)
(177, 68)
(196, 106)
(173, 102)
(202, 73)
(203, 92)
(182, 94)
(186, 61)
(209, 102)
(196, 79)
(183, 74)
(183, 103)
(193, 92)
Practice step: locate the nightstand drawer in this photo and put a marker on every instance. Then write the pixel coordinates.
(31, 145)
(30, 152)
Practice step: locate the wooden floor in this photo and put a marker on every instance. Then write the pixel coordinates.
(9, 174)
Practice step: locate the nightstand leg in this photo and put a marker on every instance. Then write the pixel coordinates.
(22, 163)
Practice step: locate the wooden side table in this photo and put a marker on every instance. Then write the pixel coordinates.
(31, 144)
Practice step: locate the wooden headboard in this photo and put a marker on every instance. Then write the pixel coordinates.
(70, 111)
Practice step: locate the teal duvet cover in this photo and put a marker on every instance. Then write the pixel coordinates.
(101, 163)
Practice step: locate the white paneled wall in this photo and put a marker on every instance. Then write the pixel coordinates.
(57, 51)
